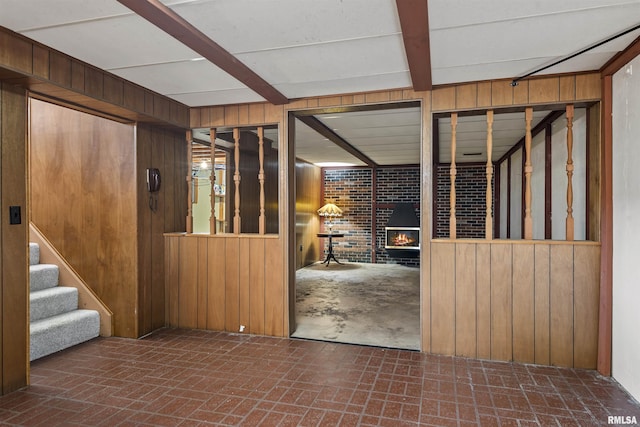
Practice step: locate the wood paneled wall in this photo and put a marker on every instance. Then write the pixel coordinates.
(83, 192)
(500, 93)
(531, 302)
(166, 150)
(226, 282)
(308, 201)
(14, 279)
(43, 70)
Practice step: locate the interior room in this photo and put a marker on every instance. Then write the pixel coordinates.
(191, 189)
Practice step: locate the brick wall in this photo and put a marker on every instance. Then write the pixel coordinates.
(351, 190)
(471, 187)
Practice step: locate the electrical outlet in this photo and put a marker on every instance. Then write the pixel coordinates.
(15, 216)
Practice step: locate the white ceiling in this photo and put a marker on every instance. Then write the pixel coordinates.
(324, 47)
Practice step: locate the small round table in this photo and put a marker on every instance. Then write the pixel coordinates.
(330, 255)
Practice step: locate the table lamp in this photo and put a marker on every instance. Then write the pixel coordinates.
(330, 210)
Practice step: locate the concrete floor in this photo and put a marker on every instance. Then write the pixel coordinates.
(359, 303)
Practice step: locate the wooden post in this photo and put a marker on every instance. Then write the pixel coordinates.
(528, 170)
(189, 140)
(212, 177)
(488, 222)
(261, 218)
(452, 174)
(236, 180)
(569, 222)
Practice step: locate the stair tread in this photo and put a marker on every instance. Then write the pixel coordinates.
(52, 301)
(62, 331)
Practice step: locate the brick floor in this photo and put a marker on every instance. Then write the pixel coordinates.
(190, 378)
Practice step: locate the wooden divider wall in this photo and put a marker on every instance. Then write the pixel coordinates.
(226, 282)
(531, 302)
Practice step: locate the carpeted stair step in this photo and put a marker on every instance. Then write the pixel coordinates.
(34, 254)
(62, 331)
(43, 276)
(52, 301)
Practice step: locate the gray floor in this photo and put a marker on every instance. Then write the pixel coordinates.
(358, 303)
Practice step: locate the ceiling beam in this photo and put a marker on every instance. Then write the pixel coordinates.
(173, 24)
(414, 21)
(328, 133)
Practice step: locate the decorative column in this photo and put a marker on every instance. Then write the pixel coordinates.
(528, 170)
(569, 222)
(212, 178)
(261, 218)
(189, 139)
(488, 222)
(236, 180)
(452, 174)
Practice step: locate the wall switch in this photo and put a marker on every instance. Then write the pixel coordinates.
(14, 215)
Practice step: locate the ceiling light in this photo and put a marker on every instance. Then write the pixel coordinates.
(204, 165)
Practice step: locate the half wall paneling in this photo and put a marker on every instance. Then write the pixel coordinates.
(226, 283)
(530, 302)
(14, 279)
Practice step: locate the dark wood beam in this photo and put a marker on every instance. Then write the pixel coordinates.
(173, 24)
(414, 21)
(323, 130)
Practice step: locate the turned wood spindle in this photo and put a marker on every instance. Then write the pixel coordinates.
(569, 221)
(452, 174)
(236, 180)
(489, 198)
(212, 178)
(528, 170)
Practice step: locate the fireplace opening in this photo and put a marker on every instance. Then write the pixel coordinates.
(407, 238)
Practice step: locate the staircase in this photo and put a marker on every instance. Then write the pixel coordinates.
(56, 322)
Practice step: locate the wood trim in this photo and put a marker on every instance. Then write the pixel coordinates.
(620, 60)
(173, 24)
(606, 231)
(548, 188)
(315, 124)
(414, 21)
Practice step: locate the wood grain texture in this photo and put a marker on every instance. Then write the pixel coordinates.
(465, 304)
(561, 305)
(275, 294)
(188, 282)
(541, 290)
(232, 285)
(585, 306)
(523, 304)
(443, 326)
(216, 284)
(202, 283)
(501, 303)
(483, 300)
(84, 201)
(308, 183)
(14, 279)
(257, 286)
(244, 271)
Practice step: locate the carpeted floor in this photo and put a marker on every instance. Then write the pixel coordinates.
(358, 303)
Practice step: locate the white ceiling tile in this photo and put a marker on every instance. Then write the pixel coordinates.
(249, 25)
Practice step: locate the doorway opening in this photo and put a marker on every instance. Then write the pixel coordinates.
(355, 168)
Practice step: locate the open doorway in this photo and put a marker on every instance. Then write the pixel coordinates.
(357, 217)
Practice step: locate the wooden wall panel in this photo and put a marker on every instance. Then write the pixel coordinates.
(465, 303)
(275, 294)
(84, 196)
(443, 268)
(501, 303)
(561, 305)
(585, 305)
(203, 285)
(216, 284)
(256, 286)
(232, 285)
(14, 281)
(188, 280)
(524, 297)
(500, 93)
(244, 271)
(524, 300)
(172, 279)
(483, 300)
(308, 183)
(541, 289)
